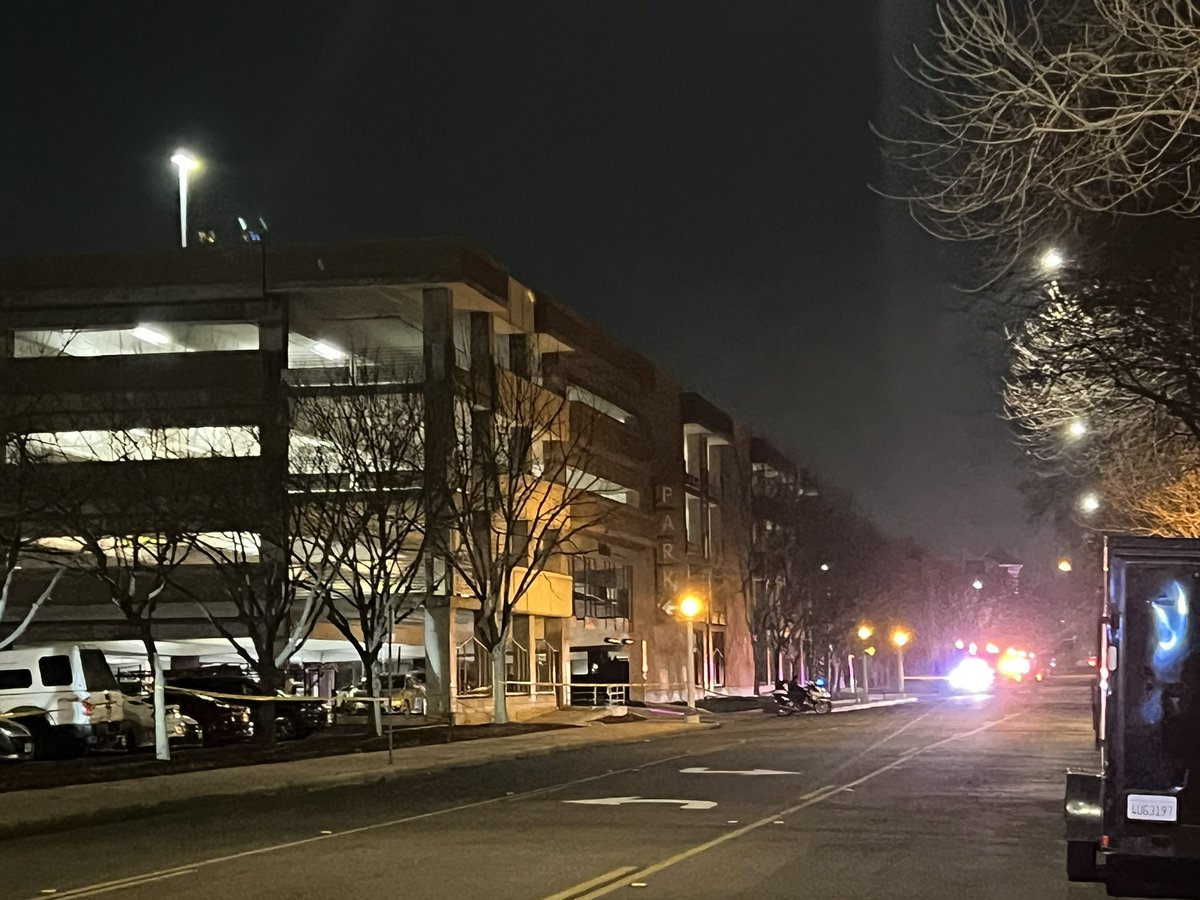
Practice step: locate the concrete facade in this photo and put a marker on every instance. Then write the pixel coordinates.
(204, 342)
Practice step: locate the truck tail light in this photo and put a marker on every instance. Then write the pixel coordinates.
(87, 707)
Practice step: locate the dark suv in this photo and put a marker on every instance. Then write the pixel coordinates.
(294, 717)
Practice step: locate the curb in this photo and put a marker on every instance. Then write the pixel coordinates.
(11, 830)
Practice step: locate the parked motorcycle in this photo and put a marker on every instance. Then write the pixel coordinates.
(793, 697)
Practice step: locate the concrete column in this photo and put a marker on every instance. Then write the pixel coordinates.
(438, 402)
(558, 637)
(441, 668)
(438, 398)
(524, 629)
(482, 343)
(520, 354)
(274, 431)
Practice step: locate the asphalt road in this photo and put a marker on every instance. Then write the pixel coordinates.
(954, 799)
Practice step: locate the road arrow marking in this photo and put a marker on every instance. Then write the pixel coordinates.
(704, 770)
(620, 801)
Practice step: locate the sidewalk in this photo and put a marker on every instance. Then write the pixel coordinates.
(64, 808)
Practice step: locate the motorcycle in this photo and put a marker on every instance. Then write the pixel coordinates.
(792, 698)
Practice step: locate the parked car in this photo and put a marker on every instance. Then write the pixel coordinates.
(294, 717)
(16, 743)
(222, 722)
(405, 694)
(137, 730)
(65, 694)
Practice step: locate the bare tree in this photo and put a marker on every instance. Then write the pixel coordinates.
(128, 515)
(356, 478)
(771, 508)
(24, 502)
(1103, 382)
(263, 562)
(522, 492)
(1037, 112)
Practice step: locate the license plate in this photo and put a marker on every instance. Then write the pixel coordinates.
(1151, 808)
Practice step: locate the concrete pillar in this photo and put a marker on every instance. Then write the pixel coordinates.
(441, 668)
(524, 633)
(520, 354)
(558, 637)
(438, 400)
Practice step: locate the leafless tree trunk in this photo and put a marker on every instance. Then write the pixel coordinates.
(523, 492)
(357, 477)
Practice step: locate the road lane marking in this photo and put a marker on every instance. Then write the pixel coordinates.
(811, 799)
(704, 770)
(598, 881)
(121, 883)
(623, 801)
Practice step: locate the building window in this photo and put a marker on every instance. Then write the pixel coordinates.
(143, 444)
(718, 658)
(156, 337)
(601, 588)
(582, 395)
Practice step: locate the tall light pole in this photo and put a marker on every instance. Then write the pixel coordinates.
(186, 164)
(689, 608)
(864, 634)
(899, 638)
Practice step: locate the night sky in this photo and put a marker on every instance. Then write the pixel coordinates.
(692, 176)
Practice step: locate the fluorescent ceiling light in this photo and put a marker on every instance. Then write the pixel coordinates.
(150, 335)
(328, 351)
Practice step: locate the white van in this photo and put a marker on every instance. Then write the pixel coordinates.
(65, 694)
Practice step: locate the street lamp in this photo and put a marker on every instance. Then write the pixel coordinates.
(824, 567)
(864, 634)
(186, 164)
(690, 606)
(1064, 565)
(1052, 260)
(1089, 503)
(1077, 429)
(900, 637)
(977, 584)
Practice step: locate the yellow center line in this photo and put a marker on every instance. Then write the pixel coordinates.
(599, 880)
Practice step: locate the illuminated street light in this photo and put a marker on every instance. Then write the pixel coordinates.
(900, 637)
(824, 567)
(1089, 503)
(1077, 429)
(1064, 565)
(690, 606)
(959, 645)
(186, 164)
(864, 632)
(1052, 260)
(977, 584)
